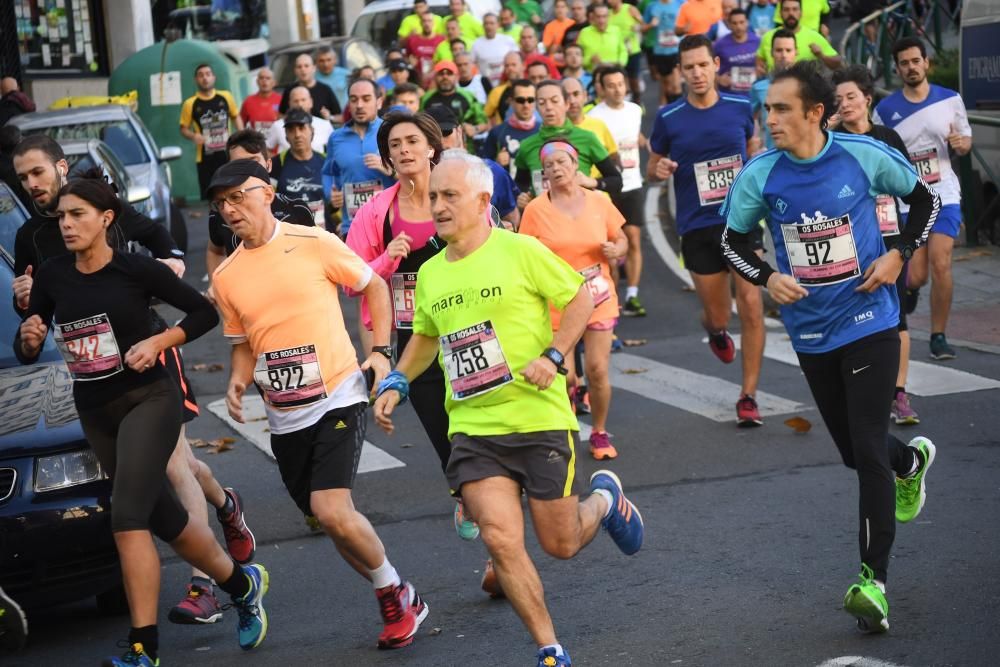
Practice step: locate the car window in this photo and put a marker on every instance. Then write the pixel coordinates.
(79, 163)
(119, 134)
(12, 216)
(10, 322)
(381, 28)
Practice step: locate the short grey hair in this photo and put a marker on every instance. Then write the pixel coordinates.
(477, 174)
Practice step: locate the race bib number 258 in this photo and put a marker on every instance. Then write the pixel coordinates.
(474, 361)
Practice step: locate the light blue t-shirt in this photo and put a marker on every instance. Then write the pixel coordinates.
(821, 215)
(666, 42)
(758, 94)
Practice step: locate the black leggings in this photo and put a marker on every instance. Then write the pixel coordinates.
(133, 437)
(427, 395)
(853, 388)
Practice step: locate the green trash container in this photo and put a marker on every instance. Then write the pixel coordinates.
(164, 76)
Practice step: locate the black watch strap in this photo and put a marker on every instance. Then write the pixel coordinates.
(557, 358)
(384, 350)
(906, 251)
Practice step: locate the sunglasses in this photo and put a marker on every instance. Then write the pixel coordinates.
(524, 100)
(234, 198)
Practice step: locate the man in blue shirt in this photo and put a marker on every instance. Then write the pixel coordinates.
(504, 140)
(353, 172)
(702, 142)
(784, 52)
(332, 74)
(836, 283)
(299, 169)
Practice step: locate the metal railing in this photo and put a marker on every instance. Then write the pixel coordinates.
(976, 216)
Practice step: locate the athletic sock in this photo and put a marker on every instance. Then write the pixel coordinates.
(900, 390)
(238, 583)
(604, 493)
(384, 575)
(632, 291)
(558, 648)
(202, 582)
(149, 637)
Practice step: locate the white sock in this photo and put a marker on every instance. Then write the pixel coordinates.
(604, 493)
(881, 585)
(631, 291)
(558, 648)
(385, 575)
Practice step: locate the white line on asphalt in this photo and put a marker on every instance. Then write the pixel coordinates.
(704, 395)
(924, 379)
(255, 430)
(857, 661)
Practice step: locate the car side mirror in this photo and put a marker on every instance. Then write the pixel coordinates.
(138, 193)
(168, 153)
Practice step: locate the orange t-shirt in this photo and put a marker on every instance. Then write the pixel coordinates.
(698, 16)
(282, 298)
(578, 241)
(554, 32)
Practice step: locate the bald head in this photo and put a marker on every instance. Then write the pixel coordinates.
(8, 85)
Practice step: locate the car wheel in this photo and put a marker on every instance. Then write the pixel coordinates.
(113, 602)
(178, 228)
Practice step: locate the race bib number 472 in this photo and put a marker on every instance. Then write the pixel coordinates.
(474, 361)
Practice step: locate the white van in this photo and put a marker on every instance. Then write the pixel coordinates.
(379, 21)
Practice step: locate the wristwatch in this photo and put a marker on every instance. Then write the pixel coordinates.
(384, 350)
(905, 250)
(557, 358)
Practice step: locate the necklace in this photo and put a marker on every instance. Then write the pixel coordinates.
(412, 188)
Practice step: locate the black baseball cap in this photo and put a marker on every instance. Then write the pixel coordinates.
(298, 117)
(398, 65)
(236, 172)
(444, 116)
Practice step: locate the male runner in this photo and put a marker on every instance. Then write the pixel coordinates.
(324, 102)
(702, 140)
(482, 310)
(299, 169)
(784, 53)
(504, 140)
(489, 50)
(932, 122)
(836, 283)
(737, 53)
(624, 119)
(260, 110)
(288, 336)
(205, 119)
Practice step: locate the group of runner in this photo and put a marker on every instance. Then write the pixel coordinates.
(490, 272)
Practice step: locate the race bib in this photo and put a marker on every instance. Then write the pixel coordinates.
(597, 284)
(628, 151)
(714, 177)
(404, 287)
(290, 378)
(474, 361)
(668, 39)
(216, 137)
(318, 209)
(822, 253)
(927, 165)
(888, 219)
(89, 348)
(539, 181)
(742, 78)
(357, 195)
(494, 70)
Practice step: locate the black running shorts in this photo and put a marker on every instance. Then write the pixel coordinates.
(172, 360)
(664, 65)
(632, 206)
(543, 463)
(702, 249)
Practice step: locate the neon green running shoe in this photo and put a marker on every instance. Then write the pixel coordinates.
(866, 602)
(912, 491)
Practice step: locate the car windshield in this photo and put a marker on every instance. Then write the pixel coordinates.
(9, 323)
(380, 28)
(11, 219)
(119, 134)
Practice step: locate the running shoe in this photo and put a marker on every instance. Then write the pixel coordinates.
(240, 541)
(467, 530)
(581, 400)
(722, 346)
(490, 583)
(252, 626)
(547, 658)
(747, 414)
(901, 411)
(940, 349)
(13, 624)
(911, 492)
(633, 308)
(623, 522)
(866, 602)
(199, 607)
(135, 655)
(601, 447)
(402, 612)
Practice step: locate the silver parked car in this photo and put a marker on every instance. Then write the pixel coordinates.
(84, 154)
(121, 129)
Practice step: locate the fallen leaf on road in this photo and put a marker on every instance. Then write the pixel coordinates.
(198, 442)
(406, 445)
(635, 371)
(221, 445)
(974, 253)
(434, 632)
(199, 367)
(800, 424)
(257, 419)
(634, 342)
(211, 368)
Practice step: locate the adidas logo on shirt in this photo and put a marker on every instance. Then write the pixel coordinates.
(896, 116)
(845, 192)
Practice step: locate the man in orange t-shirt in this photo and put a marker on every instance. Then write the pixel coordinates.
(555, 30)
(697, 17)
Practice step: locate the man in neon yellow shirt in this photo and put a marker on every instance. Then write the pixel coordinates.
(411, 23)
(601, 42)
(814, 16)
(810, 44)
(470, 27)
(628, 20)
(453, 33)
(482, 311)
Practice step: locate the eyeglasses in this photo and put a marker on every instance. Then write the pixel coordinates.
(524, 100)
(234, 198)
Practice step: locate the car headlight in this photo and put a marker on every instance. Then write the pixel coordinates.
(144, 206)
(64, 470)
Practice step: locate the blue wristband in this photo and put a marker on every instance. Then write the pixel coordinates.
(397, 381)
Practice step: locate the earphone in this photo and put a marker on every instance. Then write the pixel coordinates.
(430, 153)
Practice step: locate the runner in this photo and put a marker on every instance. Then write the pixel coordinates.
(324, 102)
(584, 228)
(933, 124)
(602, 42)
(469, 80)
(576, 102)
(628, 20)
(624, 119)
(421, 45)
(406, 96)
(97, 301)
(702, 141)
(299, 98)
(288, 336)
(411, 22)
(471, 28)
(205, 118)
(855, 91)
(508, 25)
(299, 169)
(329, 71)
(498, 101)
(737, 55)
(485, 302)
(260, 110)
(489, 50)
(660, 17)
(555, 29)
(809, 44)
(835, 284)
(42, 168)
(504, 140)
(573, 69)
(461, 101)
(784, 54)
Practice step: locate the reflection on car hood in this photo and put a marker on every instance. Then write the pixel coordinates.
(140, 174)
(37, 413)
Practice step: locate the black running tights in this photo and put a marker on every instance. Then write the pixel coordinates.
(427, 393)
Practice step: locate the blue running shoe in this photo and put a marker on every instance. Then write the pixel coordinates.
(134, 656)
(547, 658)
(623, 523)
(252, 626)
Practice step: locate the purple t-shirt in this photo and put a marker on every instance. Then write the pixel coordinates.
(739, 61)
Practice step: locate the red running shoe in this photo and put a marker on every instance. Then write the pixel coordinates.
(747, 414)
(199, 607)
(722, 346)
(402, 612)
(240, 542)
(490, 582)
